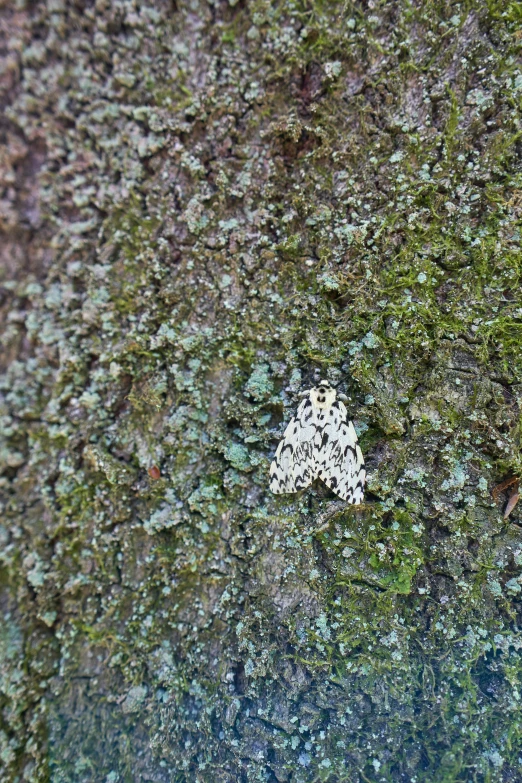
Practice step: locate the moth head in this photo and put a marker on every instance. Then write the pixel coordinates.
(323, 395)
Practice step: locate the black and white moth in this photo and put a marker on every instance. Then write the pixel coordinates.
(320, 442)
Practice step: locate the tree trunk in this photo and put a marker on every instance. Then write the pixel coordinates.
(205, 207)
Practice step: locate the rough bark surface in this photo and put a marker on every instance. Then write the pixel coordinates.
(203, 205)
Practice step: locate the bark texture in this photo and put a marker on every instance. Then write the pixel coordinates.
(203, 205)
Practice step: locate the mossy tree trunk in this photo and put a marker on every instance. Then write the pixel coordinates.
(205, 205)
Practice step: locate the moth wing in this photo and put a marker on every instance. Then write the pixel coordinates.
(340, 462)
(294, 466)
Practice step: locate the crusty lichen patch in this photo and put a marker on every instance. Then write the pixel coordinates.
(205, 206)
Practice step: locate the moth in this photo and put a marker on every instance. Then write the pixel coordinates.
(320, 442)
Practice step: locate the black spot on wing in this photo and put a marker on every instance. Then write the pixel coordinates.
(341, 414)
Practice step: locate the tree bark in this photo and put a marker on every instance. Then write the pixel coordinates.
(206, 206)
